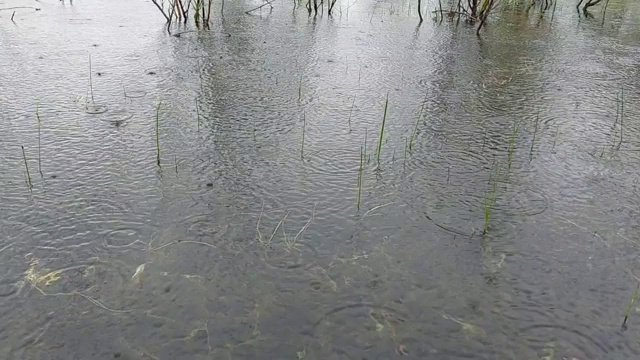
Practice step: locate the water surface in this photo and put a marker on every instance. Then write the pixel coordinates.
(244, 245)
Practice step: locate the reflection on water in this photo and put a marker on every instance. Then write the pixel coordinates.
(240, 245)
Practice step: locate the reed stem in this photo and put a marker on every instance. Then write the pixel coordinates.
(198, 111)
(360, 176)
(533, 140)
(91, 80)
(384, 120)
(351, 111)
(158, 133)
(630, 305)
(415, 128)
(304, 126)
(512, 143)
(39, 136)
(26, 167)
(621, 117)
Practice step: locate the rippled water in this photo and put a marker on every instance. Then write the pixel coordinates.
(243, 245)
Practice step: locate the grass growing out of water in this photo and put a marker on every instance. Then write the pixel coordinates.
(619, 115)
(360, 177)
(366, 132)
(39, 156)
(512, 142)
(406, 147)
(91, 80)
(304, 126)
(415, 128)
(490, 200)
(533, 141)
(351, 111)
(630, 305)
(158, 133)
(198, 113)
(26, 167)
(384, 120)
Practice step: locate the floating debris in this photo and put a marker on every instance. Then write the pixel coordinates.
(136, 276)
(38, 277)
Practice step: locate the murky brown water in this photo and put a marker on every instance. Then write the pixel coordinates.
(242, 246)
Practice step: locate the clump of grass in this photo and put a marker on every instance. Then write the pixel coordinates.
(384, 120)
(415, 128)
(490, 200)
(512, 142)
(26, 167)
(629, 306)
(276, 229)
(158, 133)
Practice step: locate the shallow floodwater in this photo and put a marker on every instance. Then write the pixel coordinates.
(243, 244)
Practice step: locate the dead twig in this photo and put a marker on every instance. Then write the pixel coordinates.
(155, 2)
(259, 7)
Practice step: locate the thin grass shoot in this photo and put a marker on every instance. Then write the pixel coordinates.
(360, 177)
(490, 199)
(26, 167)
(415, 128)
(351, 111)
(533, 140)
(198, 110)
(304, 127)
(512, 142)
(91, 80)
(630, 306)
(158, 133)
(39, 137)
(384, 120)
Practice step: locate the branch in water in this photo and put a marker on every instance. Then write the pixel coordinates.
(259, 7)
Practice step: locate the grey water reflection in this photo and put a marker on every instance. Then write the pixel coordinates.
(242, 244)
